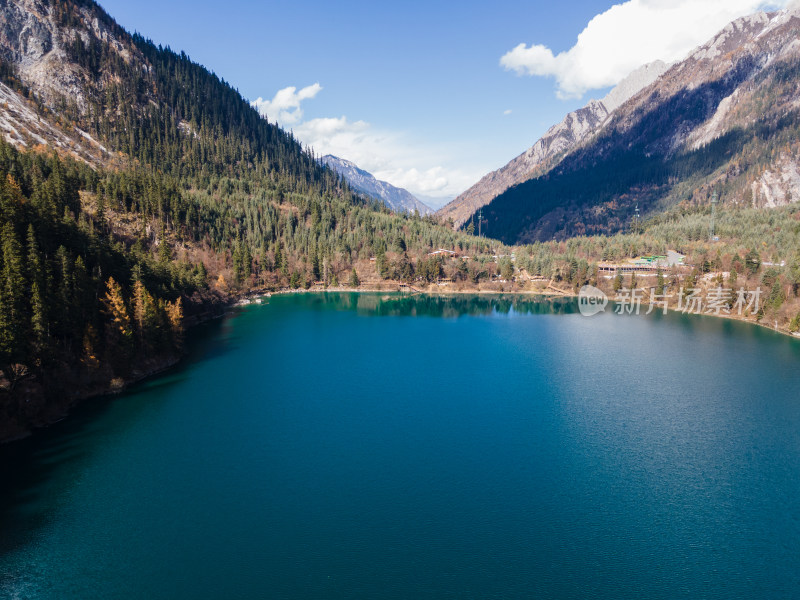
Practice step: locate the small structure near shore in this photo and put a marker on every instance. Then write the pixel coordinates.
(445, 253)
(644, 264)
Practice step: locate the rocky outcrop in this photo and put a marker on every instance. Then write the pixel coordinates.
(35, 38)
(779, 185)
(22, 126)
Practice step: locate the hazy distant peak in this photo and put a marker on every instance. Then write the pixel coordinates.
(397, 199)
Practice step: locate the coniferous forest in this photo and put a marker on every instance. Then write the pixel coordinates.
(197, 200)
(191, 199)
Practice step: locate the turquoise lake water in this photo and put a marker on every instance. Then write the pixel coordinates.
(346, 446)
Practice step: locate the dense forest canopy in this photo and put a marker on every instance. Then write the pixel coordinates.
(199, 199)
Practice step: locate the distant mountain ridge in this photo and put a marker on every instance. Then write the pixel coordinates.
(576, 127)
(398, 199)
(724, 119)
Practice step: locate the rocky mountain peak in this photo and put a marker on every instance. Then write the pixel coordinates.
(575, 128)
(398, 199)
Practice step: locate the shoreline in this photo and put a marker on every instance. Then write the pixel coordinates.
(256, 297)
(479, 292)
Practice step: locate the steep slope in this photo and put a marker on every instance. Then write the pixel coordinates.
(182, 198)
(22, 126)
(547, 151)
(726, 118)
(398, 199)
(153, 105)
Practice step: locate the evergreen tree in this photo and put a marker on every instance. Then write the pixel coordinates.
(752, 261)
(618, 281)
(145, 314)
(12, 305)
(660, 282)
(39, 325)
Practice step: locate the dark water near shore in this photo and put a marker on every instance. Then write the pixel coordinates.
(343, 446)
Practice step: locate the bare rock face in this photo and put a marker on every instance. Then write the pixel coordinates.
(735, 71)
(779, 185)
(21, 126)
(23, 35)
(557, 140)
(576, 127)
(30, 40)
(35, 37)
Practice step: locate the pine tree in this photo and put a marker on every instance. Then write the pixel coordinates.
(12, 306)
(238, 266)
(39, 327)
(278, 257)
(138, 301)
(145, 314)
(752, 261)
(659, 283)
(164, 251)
(315, 270)
(247, 263)
(65, 290)
(618, 282)
(284, 265)
(100, 213)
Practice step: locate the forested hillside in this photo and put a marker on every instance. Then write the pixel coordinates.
(187, 199)
(725, 118)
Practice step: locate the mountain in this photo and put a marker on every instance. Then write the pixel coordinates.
(724, 119)
(398, 199)
(140, 192)
(559, 139)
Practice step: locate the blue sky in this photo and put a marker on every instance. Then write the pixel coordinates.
(415, 92)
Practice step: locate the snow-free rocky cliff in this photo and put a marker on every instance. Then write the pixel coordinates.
(35, 38)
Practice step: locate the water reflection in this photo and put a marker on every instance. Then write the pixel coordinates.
(445, 305)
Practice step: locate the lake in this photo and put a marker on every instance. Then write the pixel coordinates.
(378, 446)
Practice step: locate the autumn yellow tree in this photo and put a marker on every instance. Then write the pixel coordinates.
(116, 309)
(145, 315)
(119, 333)
(175, 317)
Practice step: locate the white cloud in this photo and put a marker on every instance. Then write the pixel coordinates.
(285, 107)
(394, 157)
(626, 36)
(507, 111)
(422, 168)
